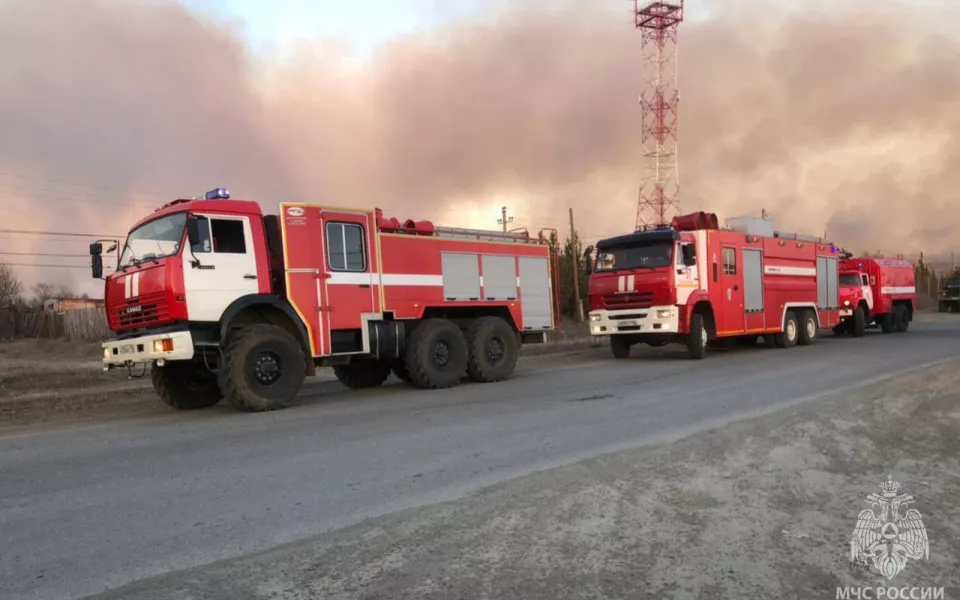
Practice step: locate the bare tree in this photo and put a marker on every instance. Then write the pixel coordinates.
(10, 285)
(44, 291)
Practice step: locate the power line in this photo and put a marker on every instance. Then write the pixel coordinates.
(47, 266)
(44, 254)
(59, 233)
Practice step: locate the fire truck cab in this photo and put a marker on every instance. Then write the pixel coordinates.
(875, 291)
(696, 284)
(226, 302)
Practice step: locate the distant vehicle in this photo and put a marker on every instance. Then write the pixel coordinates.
(224, 301)
(693, 283)
(878, 291)
(949, 300)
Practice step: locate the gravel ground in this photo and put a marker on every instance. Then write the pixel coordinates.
(761, 508)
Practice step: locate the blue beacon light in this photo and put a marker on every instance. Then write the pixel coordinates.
(218, 193)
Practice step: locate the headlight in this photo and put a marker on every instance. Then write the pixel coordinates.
(846, 303)
(163, 345)
(665, 314)
(106, 353)
(596, 329)
(594, 317)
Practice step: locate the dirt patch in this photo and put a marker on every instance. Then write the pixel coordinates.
(762, 508)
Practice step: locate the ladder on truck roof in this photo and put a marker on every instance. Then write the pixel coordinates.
(517, 237)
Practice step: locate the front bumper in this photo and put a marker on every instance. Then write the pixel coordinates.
(653, 320)
(148, 348)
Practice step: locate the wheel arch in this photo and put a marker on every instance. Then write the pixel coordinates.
(460, 314)
(797, 308)
(267, 308)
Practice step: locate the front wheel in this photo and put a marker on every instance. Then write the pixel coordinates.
(859, 326)
(185, 385)
(697, 338)
(263, 368)
(619, 346)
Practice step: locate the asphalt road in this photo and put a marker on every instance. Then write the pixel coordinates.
(91, 508)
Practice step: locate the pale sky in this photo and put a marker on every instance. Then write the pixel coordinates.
(361, 24)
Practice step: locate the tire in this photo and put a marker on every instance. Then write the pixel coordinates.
(492, 349)
(362, 374)
(858, 328)
(901, 318)
(788, 337)
(886, 323)
(399, 369)
(943, 307)
(441, 369)
(808, 328)
(619, 346)
(185, 385)
(263, 368)
(697, 338)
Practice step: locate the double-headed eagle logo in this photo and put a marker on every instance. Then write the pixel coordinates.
(887, 539)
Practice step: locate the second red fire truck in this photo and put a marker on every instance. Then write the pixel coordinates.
(879, 291)
(696, 284)
(226, 302)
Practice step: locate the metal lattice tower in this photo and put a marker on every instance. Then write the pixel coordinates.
(659, 195)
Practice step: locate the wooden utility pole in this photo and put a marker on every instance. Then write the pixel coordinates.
(576, 269)
(504, 220)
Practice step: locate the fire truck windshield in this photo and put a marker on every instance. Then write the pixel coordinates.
(850, 279)
(155, 239)
(635, 257)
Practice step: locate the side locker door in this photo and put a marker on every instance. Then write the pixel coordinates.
(753, 300)
(731, 321)
(227, 269)
(350, 278)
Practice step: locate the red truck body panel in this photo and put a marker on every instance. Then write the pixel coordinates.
(403, 274)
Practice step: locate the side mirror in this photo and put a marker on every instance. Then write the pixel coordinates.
(193, 231)
(96, 266)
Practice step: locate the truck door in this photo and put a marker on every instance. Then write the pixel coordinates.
(350, 278)
(227, 266)
(731, 316)
(867, 291)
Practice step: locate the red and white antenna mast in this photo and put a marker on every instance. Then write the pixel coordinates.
(659, 195)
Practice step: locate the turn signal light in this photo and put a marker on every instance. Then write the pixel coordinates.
(163, 345)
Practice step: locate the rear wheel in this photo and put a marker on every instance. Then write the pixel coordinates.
(362, 374)
(886, 323)
(263, 368)
(619, 346)
(436, 355)
(901, 318)
(808, 328)
(185, 385)
(697, 338)
(492, 349)
(788, 337)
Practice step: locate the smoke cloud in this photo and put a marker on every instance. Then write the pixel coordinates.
(842, 119)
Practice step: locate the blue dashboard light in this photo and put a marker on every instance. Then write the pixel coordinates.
(218, 193)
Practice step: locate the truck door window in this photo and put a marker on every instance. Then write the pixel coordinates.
(345, 247)
(228, 236)
(203, 226)
(729, 261)
(864, 280)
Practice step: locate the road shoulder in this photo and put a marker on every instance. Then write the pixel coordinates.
(760, 508)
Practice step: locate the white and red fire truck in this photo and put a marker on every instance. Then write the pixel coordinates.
(879, 291)
(224, 301)
(693, 283)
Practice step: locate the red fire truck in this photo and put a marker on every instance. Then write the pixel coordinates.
(696, 284)
(224, 301)
(881, 291)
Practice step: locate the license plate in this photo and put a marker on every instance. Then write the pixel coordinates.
(128, 349)
(846, 313)
(627, 323)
